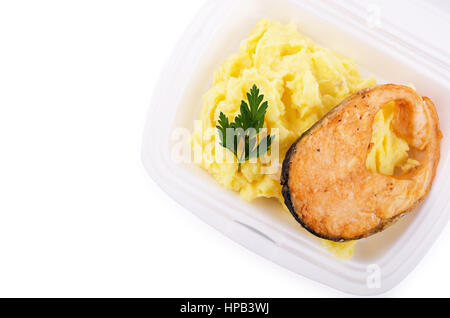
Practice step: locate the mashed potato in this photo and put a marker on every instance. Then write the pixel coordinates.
(301, 82)
(388, 151)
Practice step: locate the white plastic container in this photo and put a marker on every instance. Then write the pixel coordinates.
(386, 52)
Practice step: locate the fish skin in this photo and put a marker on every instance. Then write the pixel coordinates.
(326, 185)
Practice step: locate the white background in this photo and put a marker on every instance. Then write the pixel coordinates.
(78, 214)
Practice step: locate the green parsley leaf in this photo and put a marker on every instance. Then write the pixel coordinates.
(240, 136)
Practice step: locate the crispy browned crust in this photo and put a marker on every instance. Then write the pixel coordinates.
(362, 103)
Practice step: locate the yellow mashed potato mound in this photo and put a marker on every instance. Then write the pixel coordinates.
(388, 151)
(301, 82)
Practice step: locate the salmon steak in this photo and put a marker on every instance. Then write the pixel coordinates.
(326, 184)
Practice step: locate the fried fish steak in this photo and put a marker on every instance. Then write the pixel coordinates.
(326, 184)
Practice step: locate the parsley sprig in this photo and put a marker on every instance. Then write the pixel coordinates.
(241, 135)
